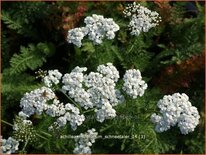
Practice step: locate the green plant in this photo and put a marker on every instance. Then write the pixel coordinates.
(169, 56)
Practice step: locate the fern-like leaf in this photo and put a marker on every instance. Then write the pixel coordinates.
(13, 87)
(31, 57)
(12, 24)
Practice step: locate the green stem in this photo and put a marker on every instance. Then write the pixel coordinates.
(148, 145)
(25, 145)
(72, 101)
(88, 110)
(5, 122)
(131, 48)
(49, 135)
(95, 52)
(132, 45)
(41, 136)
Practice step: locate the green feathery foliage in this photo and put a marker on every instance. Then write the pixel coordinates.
(15, 86)
(31, 57)
(12, 24)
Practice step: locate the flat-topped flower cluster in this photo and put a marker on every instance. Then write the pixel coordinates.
(96, 91)
(84, 141)
(37, 102)
(141, 18)
(9, 146)
(133, 83)
(97, 28)
(176, 109)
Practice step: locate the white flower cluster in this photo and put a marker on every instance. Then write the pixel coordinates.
(36, 102)
(142, 19)
(109, 71)
(72, 83)
(53, 77)
(176, 109)
(97, 28)
(100, 27)
(105, 112)
(97, 89)
(76, 35)
(133, 84)
(85, 141)
(18, 126)
(55, 109)
(9, 146)
(70, 114)
(23, 130)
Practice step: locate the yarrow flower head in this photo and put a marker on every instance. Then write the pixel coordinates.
(76, 35)
(105, 112)
(100, 27)
(176, 109)
(97, 28)
(85, 141)
(71, 114)
(23, 130)
(35, 102)
(9, 146)
(133, 84)
(95, 90)
(142, 19)
(109, 71)
(53, 77)
(73, 84)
